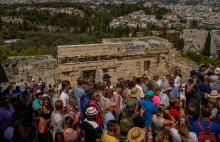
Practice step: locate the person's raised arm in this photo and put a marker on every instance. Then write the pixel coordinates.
(117, 101)
(189, 89)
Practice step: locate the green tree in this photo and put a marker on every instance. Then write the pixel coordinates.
(207, 46)
(31, 51)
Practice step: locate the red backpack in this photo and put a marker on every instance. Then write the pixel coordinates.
(206, 136)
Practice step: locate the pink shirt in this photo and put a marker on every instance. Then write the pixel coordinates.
(156, 99)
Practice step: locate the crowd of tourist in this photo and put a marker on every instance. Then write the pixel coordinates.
(141, 109)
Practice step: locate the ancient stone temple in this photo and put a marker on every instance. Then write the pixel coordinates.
(119, 57)
(125, 58)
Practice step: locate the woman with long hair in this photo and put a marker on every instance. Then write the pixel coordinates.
(175, 110)
(70, 133)
(71, 109)
(46, 109)
(183, 134)
(164, 135)
(40, 124)
(162, 118)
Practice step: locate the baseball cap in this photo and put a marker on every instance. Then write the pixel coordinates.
(132, 103)
(150, 93)
(106, 76)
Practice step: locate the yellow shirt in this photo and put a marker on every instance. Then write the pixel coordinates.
(108, 138)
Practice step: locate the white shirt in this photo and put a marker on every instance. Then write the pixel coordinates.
(141, 95)
(64, 97)
(176, 136)
(177, 82)
(164, 99)
(22, 87)
(215, 82)
(121, 101)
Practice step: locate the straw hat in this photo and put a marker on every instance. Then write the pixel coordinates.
(135, 92)
(91, 111)
(217, 70)
(214, 94)
(136, 134)
(109, 104)
(213, 100)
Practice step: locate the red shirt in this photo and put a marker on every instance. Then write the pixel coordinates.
(174, 112)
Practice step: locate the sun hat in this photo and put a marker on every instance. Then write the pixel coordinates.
(109, 104)
(193, 72)
(8, 133)
(149, 93)
(39, 92)
(214, 94)
(136, 134)
(135, 92)
(91, 111)
(217, 70)
(167, 88)
(132, 103)
(213, 100)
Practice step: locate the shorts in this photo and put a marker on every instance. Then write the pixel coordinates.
(149, 133)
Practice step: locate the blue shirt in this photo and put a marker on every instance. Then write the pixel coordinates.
(205, 124)
(36, 104)
(150, 109)
(206, 88)
(174, 93)
(108, 116)
(78, 93)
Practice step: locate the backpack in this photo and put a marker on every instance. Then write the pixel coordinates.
(206, 136)
(42, 84)
(126, 123)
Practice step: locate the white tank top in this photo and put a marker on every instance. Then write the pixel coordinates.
(121, 101)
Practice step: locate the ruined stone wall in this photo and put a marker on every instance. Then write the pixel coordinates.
(28, 67)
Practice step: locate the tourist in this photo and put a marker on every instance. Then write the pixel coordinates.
(214, 80)
(150, 109)
(6, 111)
(65, 94)
(193, 94)
(205, 122)
(85, 99)
(46, 93)
(112, 132)
(22, 131)
(138, 85)
(117, 98)
(71, 110)
(144, 85)
(40, 124)
(57, 117)
(33, 86)
(110, 114)
(129, 118)
(136, 134)
(204, 85)
(22, 86)
(91, 129)
(183, 134)
(159, 119)
(42, 84)
(174, 93)
(46, 109)
(164, 96)
(191, 114)
(177, 80)
(212, 104)
(134, 93)
(164, 135)
(69, 133)
(37, 104)
(79, 91)
(174, 108)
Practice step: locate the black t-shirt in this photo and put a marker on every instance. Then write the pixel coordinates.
(92, 130)
(138, 120)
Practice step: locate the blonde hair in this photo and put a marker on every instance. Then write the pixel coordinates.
(164, 135)
(183, 131)
(160, 109)
(71, 101)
